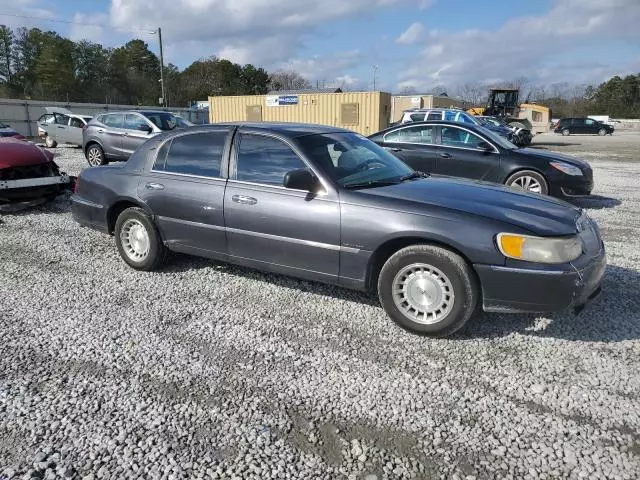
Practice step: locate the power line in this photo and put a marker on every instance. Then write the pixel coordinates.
(139, 28)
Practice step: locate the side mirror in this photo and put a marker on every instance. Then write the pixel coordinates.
(301, 179)
(485, 147)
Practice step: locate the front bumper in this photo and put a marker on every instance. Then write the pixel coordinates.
(544, 289)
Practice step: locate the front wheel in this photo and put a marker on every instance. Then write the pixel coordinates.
(428, 290)
(49, 142)
(566, 132)
(529, 181)
(138, 240)
(602, 132)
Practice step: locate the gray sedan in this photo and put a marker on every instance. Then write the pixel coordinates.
(329, 205)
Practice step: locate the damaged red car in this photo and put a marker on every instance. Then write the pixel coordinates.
(28, 175)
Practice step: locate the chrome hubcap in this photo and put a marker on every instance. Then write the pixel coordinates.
(94, 156)
(423, 293)
(135, 240)
(527, 183)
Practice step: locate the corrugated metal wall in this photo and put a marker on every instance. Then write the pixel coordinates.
(22, 115)
(373, 110)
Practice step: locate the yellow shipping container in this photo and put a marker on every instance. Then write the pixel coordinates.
(362, 112)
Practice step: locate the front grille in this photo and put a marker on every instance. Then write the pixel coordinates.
(32, 171)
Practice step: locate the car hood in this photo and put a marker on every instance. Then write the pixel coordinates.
(552, 156)
(541, 215)
(17, 153)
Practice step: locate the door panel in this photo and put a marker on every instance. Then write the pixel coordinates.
(111, 132)
(58, 131)
(74, 132)
(186, 192)
(284, 230)
(458, 157)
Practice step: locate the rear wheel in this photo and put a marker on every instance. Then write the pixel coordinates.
(138, 240)
(529, 181)
(49, 142)
(95, 155)
(602, 132)
(428, 290)
(566, 132)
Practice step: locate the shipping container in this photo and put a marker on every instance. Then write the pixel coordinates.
(362, 112)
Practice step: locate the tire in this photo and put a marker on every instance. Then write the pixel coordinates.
(95, 155)
(528, 180)
(49, 143)
(447, 280)
(566, 132)
(146, 251)
(602, 132)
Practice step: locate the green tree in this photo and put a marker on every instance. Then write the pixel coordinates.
(91, 69)
(253, 81)
(135, 73)
(54, 70)
(6, 46)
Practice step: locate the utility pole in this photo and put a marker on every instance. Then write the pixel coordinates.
(375, 71)
(164, 100)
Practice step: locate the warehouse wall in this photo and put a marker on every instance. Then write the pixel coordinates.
(363, 112)
(22, 115)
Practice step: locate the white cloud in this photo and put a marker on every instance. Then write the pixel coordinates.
(89, 27)
(537, 47)
(411, 34)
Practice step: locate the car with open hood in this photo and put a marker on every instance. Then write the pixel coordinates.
(326, 204)
(28, 175)
(467, 151)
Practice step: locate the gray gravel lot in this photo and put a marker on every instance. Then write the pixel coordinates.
(210, 371)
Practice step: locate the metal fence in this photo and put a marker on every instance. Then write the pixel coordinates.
(22, 115)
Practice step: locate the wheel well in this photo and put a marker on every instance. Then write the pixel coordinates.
(92, 142)
(525, 169)
(115, 211)
(387, 249)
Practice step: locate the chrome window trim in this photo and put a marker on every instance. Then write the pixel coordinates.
(279, 187)
(404, 127)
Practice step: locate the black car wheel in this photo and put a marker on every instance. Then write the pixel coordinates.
(138, 240)
(95, 155)
(428, 290)
(528, 180)
(49, 142)
(602, 132)
(566, 132)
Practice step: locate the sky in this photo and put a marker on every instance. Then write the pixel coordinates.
(414, 44)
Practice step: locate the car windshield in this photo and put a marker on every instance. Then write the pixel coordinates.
(495, 138)
(162, 120)
(352, 160)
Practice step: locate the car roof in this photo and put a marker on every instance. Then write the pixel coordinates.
(447, 123)
(286, 129)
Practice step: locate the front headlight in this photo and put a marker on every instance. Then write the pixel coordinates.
(539, 249)
(566, 168)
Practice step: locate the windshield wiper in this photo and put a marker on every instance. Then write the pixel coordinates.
(413, 175)
(371, 184)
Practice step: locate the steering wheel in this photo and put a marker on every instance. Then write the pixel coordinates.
(367, 164)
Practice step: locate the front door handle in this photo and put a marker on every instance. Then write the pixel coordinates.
(244, 199)
(445, 155)
(393, 149)
(154, 186)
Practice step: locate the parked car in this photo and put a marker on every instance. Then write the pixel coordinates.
(521, 136)
(456, 150)
(7, 132)
(48, 118)
(64, 128)
(569, 126)
(454, 115)
(116, 135)
(28, 175)
(326, 204)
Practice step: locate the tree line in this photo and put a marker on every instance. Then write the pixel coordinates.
(36, 64)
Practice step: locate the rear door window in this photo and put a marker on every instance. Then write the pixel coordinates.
(113, 120)
(435, 116)
(198, 154)
(417, 117)
(62, 119)
(76, 122)
(419, 134)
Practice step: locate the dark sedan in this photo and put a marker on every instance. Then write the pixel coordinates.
(586, 126)
(329, 205)
(451, 149)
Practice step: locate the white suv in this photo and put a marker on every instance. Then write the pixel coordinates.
(447, 114)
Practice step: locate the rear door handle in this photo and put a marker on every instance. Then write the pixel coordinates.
(60, 126)
(154, 186)
(445, 155)
(393, 149)
(101, 131)
(244, 199)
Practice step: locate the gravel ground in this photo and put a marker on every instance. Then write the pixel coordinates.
(211, 371)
